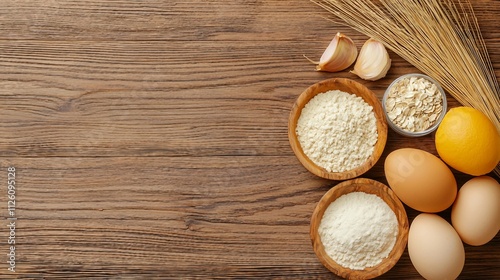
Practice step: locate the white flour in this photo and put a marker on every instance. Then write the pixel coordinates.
(337, 130)
(358, 230)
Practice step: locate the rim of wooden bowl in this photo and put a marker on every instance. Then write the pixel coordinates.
(352, 87)
(371, 187)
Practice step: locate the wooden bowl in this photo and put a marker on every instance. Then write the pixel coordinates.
(351, 87)
(371, 187)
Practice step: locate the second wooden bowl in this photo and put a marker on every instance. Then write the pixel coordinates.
(371, 187)
(351, 87)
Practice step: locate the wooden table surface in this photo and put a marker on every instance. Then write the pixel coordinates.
(150, 138)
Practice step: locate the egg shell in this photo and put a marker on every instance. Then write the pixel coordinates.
(420, 179)
(475, 215)
(435, 249)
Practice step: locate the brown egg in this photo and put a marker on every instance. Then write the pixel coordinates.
(421, 180)
(476, 212)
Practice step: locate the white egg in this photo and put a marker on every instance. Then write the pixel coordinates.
(476, 212)
(436, 251)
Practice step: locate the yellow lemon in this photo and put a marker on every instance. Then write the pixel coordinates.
(468, 141)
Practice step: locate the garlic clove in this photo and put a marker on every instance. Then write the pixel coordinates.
(340, 54)
(373, 61)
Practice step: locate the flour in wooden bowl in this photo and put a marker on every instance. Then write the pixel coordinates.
(358, 230)
(337, 130)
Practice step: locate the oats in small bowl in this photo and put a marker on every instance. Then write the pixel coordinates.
(414, 105)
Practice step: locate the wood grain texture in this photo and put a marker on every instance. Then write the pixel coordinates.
(150, 138)
(110, 217)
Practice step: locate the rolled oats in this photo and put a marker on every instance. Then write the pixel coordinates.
(414, 104)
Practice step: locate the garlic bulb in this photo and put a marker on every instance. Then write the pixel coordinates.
(340, 54)
(373, 61)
